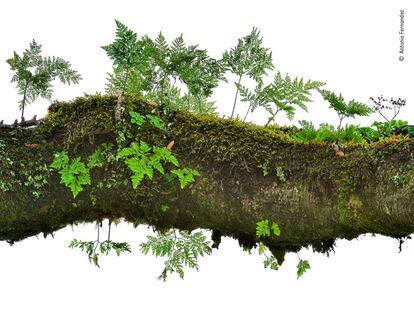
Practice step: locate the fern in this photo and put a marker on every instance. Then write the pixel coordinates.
(248, 58)
(343, 109)
(142, 160)
(73, 173)
(185, 175)
(180, 248)
(34, 74)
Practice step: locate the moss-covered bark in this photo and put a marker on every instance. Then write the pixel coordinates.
(320, 198)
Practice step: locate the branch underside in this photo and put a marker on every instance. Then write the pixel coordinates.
(322, 197)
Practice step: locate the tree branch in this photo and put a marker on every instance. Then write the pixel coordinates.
(323, 198)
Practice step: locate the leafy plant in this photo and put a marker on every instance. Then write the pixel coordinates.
(137, 118)
(389, 128)
(275, 229)
(270, 261)
(96, 248)
(156, 122)
(73, 173)
(248, 58)
(164, 208)
(302, 267)
(180, 248)
(151, 67)
(185, 175)
(280, 174)
(263, 228)
(286, 94)
(328, 133)
(34, 74)
(344, 109)
(283, 94)
(308, 133)
(265, 168)
(131, 61)
(101, 154)
(399, 179)
(142, 160)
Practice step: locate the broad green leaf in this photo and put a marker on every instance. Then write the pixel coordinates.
(262, 228)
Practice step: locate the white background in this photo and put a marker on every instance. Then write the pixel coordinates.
(352, 45)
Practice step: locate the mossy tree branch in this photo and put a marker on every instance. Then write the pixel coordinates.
(323, 197)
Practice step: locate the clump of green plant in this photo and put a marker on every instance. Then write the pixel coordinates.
(180, 249)
(151, 69)
(131, 61)
(143, 159)
(351, 133)
(302, 267)
(308, 133)
(34, 74)
(282, 95)
(399, 179)
(389, 128)
(139, 120)
(345, 109)
(37, 179)
(248, 58)
(280, 174)
(264, 229)
(97, 247)
(73, 172)
(185, 175)
(265, 168)
(165, 208)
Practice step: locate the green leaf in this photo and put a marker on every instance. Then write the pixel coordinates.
(343, 109)
(164, 208)
(185, 176)
(410, 130)
(137, 118)
(61, 159)
(276, 229)
(262, 248)
(262, 228)
(156, 122)
(34, 73)
(302, 267)
(271, 262)
(73, 173)
(180, 249)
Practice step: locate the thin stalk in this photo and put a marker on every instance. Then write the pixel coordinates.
(109, 230)
(24, 98)
(273, 117)
(162, 89)
(340, 122)
(247, 113)
(235, 98)
(199, 104)
(188, 99)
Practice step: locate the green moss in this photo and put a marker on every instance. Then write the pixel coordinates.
(320, 200)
